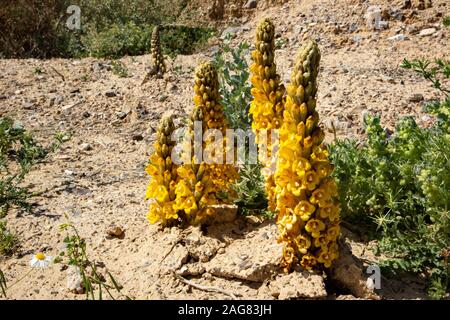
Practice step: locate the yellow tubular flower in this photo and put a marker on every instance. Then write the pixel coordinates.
(158, 59)
(163, 175)
(303, 174)
(266, 108)
(200, 183)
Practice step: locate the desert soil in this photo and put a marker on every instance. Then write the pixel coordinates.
(97, 177)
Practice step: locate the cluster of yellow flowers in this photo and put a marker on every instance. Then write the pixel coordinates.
(158, 59)
(191, 188)
(307, 206)
(267, 105)
(164, 176)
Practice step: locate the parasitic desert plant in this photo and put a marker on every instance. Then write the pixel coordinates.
(306, 195)
(163, 176)
(184, 193)
(267, 105)
(205, 182)
(157, 56)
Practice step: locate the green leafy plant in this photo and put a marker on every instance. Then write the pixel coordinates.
(433, 72)
(18, 152)
(398, 186)
(76, 255)
(234, 86)
(236, 97)
(8, 240)
(446, 21)
(119, 69)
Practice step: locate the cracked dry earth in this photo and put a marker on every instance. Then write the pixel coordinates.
(97, 177)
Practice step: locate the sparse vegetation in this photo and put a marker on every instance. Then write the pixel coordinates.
(8, 240)
(119, 69)
(76, 255)
(18, 153)
(396, 187)
(110, 29)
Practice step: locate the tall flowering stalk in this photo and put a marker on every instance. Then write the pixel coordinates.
(306, 195)
(157, 56)
(267, 105)
(163, 173)
(201, 183)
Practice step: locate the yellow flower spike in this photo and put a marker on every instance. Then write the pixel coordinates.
(267, 105)
(316, 204)
(163, 175)
(158, 59)
(201, 184)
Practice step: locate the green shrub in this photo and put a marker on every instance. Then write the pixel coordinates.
(234, 85)
(236, 97)
(109, 28)
(398, 186)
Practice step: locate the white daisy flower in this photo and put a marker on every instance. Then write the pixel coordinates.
(40, 260)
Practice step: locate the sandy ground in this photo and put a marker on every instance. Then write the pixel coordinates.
(97, 177)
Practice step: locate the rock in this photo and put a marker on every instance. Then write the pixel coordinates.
(121, 115)
(427, 32)
(262, 253)
(86, 114)
(347, 272)
(217, 9)
(69, 172)
(416, 97)
(68, 108)
(163, 98)
(191, 269)
(232, 31)
(298, 285)
(58, 99)
(251, 4)
(110, 93)
(222, 213)
(200, 248)
(86, 146)
(137, 137)
(406, 4)
(398, 37)
(388, 79)
(28, 105)
(74, 280)
(177, 257)
(115, 232)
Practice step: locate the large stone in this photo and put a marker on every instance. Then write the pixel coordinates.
(177, 257)
(427, 32)
(298, 285)
(251, 4)
(74, 280)
(255, 257)
(200, 247)
(222, 213)
(348, 273)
